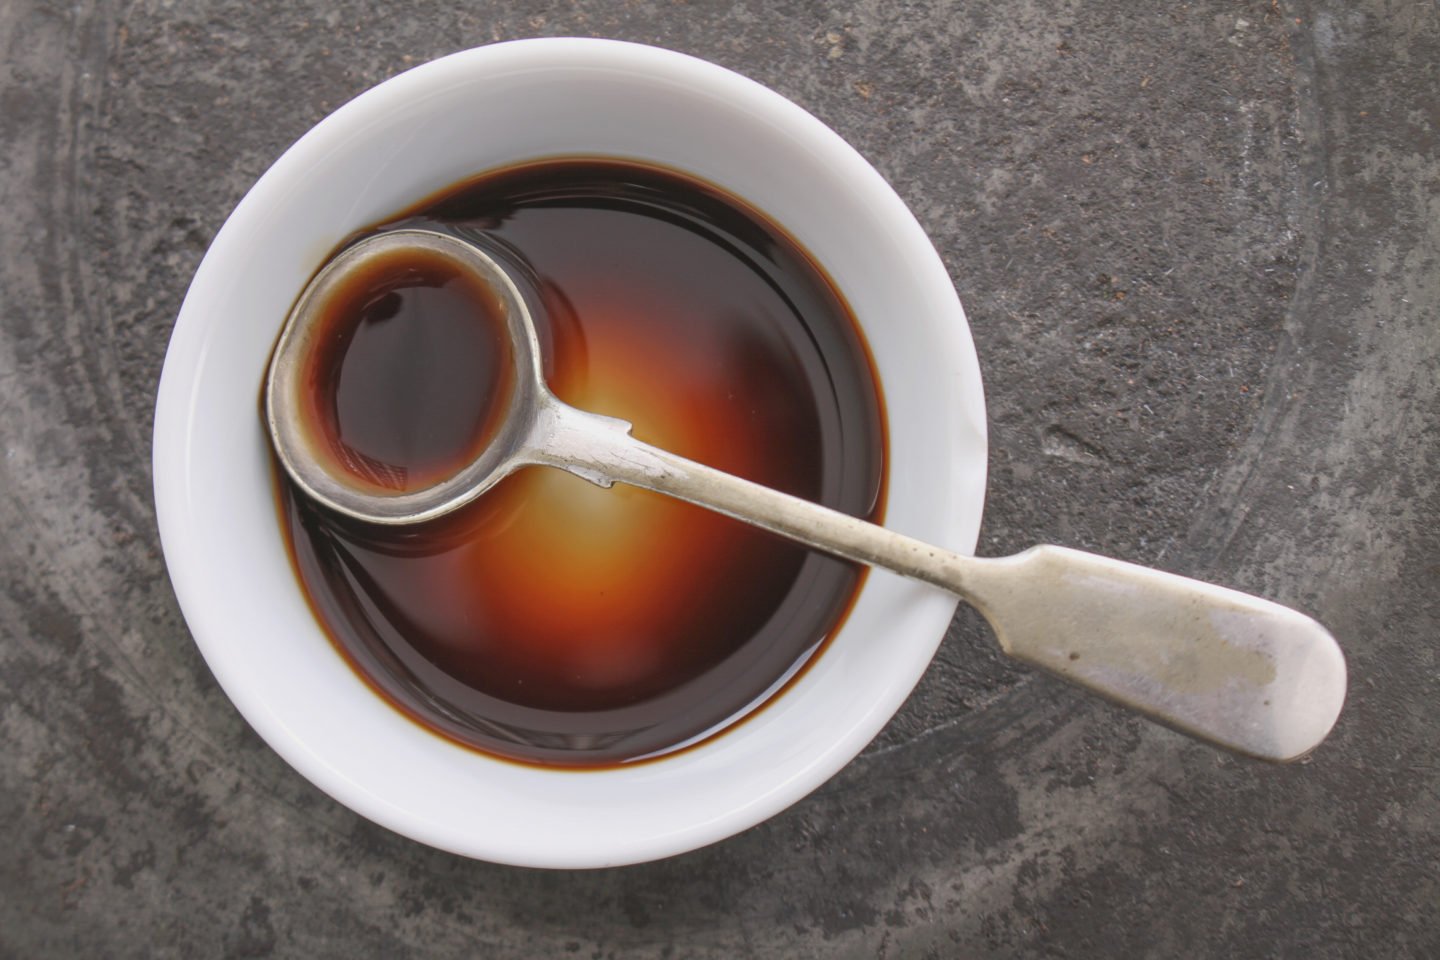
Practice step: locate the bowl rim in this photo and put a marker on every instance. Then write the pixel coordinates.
(192, 570)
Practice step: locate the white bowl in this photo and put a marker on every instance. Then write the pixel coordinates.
(405, 139)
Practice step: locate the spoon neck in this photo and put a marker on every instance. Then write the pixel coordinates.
(602, 450)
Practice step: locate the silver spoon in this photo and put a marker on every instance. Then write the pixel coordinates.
(1220, 665)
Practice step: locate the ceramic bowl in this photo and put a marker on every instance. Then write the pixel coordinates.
(401, 141)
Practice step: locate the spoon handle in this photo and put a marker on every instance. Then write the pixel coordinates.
(1220, 665)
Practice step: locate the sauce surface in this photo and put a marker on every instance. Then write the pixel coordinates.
(559, 623)
(408, 373)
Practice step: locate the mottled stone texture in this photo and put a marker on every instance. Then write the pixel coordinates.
(1198, 246)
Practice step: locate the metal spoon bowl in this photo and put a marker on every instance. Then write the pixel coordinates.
(1223, 666)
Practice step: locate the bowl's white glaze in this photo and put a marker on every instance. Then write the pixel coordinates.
(405, 139)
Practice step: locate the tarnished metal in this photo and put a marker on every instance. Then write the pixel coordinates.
(1238, 671)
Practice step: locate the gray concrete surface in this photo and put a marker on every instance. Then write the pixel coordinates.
(1198, 244)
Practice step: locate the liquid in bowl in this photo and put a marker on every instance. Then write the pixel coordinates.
(553, 622)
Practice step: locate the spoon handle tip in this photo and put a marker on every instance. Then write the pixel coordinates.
(1241, 672)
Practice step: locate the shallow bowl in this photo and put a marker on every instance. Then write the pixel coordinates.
(408, 138)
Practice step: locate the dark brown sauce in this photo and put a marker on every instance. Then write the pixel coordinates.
(409, 371)
(555, 622)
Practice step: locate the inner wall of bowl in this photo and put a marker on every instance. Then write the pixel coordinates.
(417, 134)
